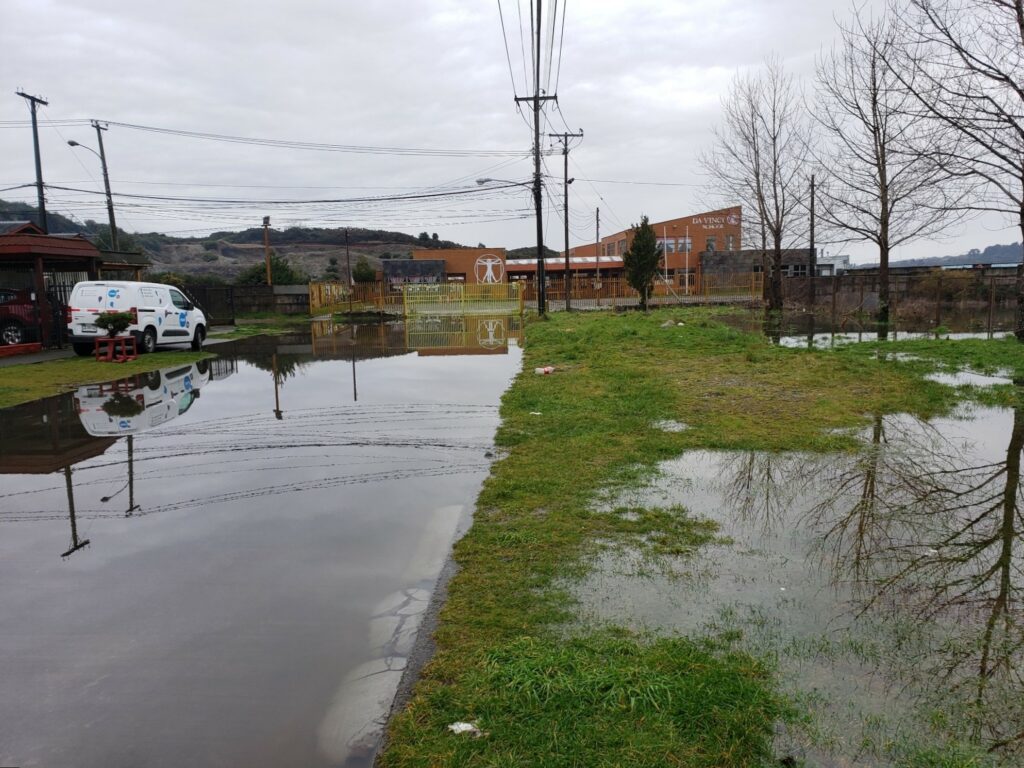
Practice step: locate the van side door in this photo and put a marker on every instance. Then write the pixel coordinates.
(178, 317)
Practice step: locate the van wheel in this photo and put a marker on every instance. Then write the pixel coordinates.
(82, 350)
(148, 341)
(198, 338)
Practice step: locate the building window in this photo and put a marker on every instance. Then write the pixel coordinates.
(685, 244)
(622, 247)
(710, 246)
(730, 242)
(798, 270)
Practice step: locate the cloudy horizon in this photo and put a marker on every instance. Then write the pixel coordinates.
(644, 82)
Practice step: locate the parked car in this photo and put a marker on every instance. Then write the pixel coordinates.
(18, 313)
(161, 314)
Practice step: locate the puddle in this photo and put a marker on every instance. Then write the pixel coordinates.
(228, 562)
(969, 378)
(888, 586)
(670, 425)
(799, 329)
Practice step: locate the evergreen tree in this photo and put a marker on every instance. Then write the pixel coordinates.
(363, 272)
(641, 260)
(281, 273)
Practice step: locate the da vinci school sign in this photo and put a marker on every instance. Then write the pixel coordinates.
(489, 269)
(716, 220)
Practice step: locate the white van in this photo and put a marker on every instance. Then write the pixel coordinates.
(163, 315)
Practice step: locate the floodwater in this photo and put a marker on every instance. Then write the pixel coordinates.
(886, 585)
(225, 563)
(801, 329)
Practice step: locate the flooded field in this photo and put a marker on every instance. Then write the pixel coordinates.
(800, 329)
(887, 585)
(226, 563)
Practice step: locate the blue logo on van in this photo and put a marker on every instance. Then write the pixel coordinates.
(112, 293)
(123, 424)
(188, 383)
(182, 319)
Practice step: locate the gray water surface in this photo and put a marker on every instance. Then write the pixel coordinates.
(886, 585)
(225, 564)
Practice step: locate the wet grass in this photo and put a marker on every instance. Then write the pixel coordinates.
(32, 381)
(574, 437)
(260, 323)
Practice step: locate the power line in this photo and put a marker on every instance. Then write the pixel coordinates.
(228, 201)
(508, 56)
(561, 41)
(321, 147)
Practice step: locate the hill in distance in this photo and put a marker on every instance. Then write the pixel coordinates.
(224, 255)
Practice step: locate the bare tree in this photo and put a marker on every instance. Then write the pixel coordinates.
(964, 66)
(883, 183)
(759, 159)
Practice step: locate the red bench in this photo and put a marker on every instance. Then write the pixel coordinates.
(115, 349)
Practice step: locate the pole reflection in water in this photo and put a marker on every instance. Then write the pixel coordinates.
(75, 543)
(277, 389)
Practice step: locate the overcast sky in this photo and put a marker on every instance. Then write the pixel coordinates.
(644, 80)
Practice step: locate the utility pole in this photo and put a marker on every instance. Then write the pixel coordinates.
(351, 285)
(566, 181)
(537, 99)
(597, 243)
(34, 101)
(812, 258)
(106, 183)
(266, 247)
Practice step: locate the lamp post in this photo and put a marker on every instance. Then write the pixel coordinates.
(541, 289)
(106, 180)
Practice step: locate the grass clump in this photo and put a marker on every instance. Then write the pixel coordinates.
(32, 381)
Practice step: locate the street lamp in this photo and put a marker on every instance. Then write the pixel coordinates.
(106, 180)
(541, 288)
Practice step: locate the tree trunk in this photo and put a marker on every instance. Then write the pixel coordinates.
(775, 295)
(1018, 327)
(883, 292)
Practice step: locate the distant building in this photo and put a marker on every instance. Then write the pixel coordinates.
(467, 265)
(683, 239)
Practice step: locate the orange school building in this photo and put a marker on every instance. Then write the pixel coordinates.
(468, 265)
(683, 240)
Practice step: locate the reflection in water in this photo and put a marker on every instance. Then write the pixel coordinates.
(243, 586)
(59, 432)
(888, 581)
(925, 531)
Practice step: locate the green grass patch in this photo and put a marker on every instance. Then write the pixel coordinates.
(32, 381)
(605, 700)
(579, 435)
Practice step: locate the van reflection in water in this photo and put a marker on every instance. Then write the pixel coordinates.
(142, 402)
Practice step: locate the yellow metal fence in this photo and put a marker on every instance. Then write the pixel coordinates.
(462, 299)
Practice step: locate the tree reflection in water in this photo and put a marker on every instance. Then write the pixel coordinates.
(923, 534)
